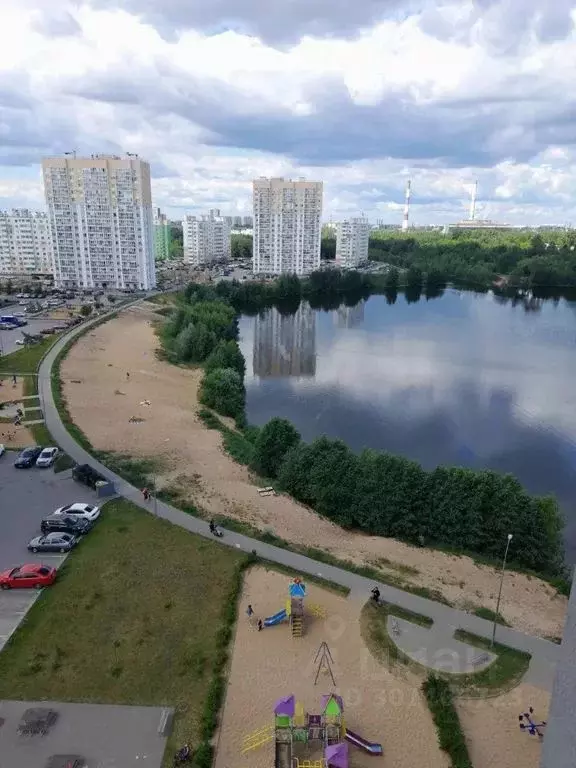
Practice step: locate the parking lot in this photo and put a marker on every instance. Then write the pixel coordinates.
(26, 496)
(8, 339)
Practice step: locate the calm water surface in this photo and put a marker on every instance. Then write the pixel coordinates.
(464, 379)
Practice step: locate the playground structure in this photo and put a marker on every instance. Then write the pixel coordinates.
(294, 610)
(528, 725)
(296, 731)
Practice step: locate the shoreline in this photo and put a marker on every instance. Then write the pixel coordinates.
(193, 457)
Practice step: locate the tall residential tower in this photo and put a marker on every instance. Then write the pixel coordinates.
(352, 241)
(100, 211)
(206, 238)
(287, 230)
(25, 243)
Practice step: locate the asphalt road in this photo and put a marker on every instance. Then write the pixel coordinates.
(26, 496)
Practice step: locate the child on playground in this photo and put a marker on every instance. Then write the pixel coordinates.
(249, 612)
(260, 625)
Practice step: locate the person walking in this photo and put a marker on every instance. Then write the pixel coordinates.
(14, 380)
(146, 494)
(260, 625)
(249, 612)
(127, 376)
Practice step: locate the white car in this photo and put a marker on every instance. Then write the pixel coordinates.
(47, 457)
(2, 449)
(84, 511)
(20, 342)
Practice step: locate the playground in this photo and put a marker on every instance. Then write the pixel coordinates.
(291, 698)
(305, 692)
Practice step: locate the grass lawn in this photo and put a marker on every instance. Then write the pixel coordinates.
(501, 676)
(30, 385)
(134, 618)
(41, 435)
(26, 360)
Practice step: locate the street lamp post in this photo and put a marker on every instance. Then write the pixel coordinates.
(500, 590)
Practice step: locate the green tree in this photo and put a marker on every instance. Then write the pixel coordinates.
(85, 310)
(111, 299)
(226, 354)
(223, 390)
(274, 441)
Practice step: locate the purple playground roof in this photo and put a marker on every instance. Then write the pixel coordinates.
(326, 698)
(285, 706)
(337, 755)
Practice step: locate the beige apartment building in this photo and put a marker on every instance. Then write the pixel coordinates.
(352, 236)
(287, 228)
(25, 243)
(206, 238)
(101, 221)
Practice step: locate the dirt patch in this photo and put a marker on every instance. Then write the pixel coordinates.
(492, 729)
(271, 664)
(121, 356)
(9, 392)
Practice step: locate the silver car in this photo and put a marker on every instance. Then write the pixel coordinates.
(53, 542)
(47, 457)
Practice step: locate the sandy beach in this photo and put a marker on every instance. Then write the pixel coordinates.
(102, 400)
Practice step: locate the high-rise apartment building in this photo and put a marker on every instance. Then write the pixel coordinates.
(352, 237)
(25, 243)
(247, 221)
(100, 211)
(161, 236)
(206, 238)
(287, 231)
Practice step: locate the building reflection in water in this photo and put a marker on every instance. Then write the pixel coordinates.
(285, 345)
(349, 317)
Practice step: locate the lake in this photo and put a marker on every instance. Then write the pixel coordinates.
(464, 379)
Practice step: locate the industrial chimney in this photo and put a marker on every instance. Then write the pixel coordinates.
(406, 207)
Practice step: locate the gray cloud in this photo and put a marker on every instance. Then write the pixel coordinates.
(56, 23)
(463, 131)
(275, 21)
(505, 24)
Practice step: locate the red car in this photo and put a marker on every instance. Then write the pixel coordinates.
(28, 576)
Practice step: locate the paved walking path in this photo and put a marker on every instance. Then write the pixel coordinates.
(446, 619)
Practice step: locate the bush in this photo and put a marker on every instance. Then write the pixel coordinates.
(272, 444)
(226, 354)
(450, 735)
(223, 390)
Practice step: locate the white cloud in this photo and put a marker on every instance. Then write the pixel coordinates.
(419, 93)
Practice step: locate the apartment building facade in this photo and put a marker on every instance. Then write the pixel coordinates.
(101, 221)
(25, 243)
(352, 236)
(161, 236)
(287, 228)
(206, 238)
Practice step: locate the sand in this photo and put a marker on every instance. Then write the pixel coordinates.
(192, 459)
(492, 728)
(270, 664)
(21, 436)
(380, 705)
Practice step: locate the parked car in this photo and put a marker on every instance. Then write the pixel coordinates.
(27, 457)
(85, 511)
(2, 449)
(84, 473)
(20, 342)
(57, 541)
(28, 576)
(47, 457)
(64, 524)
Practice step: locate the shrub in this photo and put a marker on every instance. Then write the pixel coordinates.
(223, 390)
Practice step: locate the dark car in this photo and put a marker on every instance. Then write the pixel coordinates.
(57, 541)
(64, 524)
(27, 457)
(83, 473)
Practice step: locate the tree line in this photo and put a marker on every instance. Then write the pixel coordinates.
(376, 492)
(480, 258)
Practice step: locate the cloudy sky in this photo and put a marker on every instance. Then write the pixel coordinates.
(362, 94)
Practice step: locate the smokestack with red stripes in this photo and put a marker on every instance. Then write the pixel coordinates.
(406, 207)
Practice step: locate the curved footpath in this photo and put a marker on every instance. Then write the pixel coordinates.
(446, 620)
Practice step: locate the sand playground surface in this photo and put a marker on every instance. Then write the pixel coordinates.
(163, 398)
(381, 705)
(12, 436)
